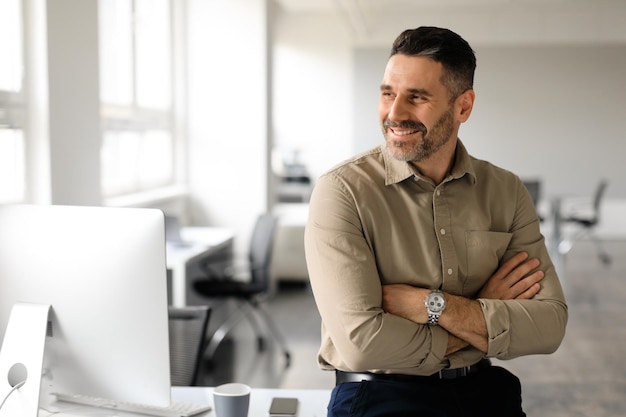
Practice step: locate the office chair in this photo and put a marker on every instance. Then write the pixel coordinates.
(534, 189)
(249, 295)
(188, 329)
(586, 216)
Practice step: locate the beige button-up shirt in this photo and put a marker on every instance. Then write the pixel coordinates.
(373, 220)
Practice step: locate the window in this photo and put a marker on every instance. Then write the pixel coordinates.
(11, 165)
(136, 93)
(12, 162)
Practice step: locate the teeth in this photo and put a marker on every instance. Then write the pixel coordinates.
(404, 132)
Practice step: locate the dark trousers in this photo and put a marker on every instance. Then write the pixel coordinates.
(493, 391)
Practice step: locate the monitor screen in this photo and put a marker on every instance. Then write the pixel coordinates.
(103, 272)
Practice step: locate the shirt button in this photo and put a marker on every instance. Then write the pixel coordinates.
(416, 178)
(449, 271)
(438, 192)
(443, 231)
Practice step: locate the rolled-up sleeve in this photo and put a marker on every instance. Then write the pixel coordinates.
(526, 327)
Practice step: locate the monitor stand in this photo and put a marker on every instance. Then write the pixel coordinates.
(21, 359)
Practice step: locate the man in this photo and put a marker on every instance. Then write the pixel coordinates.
(424, 261)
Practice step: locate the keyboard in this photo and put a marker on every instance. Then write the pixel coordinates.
(175, 409)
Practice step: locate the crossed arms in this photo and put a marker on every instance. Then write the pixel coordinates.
(370, 274)
(518, 278)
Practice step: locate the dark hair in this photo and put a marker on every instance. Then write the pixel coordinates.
(444, 46)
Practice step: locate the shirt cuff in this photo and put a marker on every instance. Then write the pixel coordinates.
(439, 346)
(498, 326)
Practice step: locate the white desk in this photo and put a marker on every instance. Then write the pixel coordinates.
(288, 262)
(312, 403)
(201, 242)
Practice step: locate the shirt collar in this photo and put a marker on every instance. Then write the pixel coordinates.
(397, 171)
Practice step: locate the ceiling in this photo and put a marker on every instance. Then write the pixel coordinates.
(382, 6)
(362, 16)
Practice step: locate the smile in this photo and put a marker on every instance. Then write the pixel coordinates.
(399, 132)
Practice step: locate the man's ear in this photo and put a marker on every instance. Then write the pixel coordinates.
(464, 105)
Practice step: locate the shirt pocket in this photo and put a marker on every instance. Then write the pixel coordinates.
(485, 250)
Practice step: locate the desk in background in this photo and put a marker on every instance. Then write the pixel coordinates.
(288, 261)
(202, 244)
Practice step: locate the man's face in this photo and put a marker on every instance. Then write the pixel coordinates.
(415, 112)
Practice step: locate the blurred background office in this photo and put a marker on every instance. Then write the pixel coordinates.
(216, 111)
(182, 104)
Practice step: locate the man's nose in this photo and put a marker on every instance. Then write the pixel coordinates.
(398, 111)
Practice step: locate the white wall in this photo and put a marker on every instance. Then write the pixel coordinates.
(37, 125)
(312, 89)
(553, 112)
(73, 104)
(228, 113)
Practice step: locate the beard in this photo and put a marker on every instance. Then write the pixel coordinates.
(420, 150)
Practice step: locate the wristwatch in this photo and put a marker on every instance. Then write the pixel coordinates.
(435, 304)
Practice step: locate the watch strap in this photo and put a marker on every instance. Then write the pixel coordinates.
(433, 319)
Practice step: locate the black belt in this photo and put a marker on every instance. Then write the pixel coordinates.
(343, 377)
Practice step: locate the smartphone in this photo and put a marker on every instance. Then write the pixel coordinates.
(284, 407)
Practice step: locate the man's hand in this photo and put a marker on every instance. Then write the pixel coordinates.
(514, 280)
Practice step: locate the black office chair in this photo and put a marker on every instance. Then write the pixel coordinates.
(249, 295)
(188, 330)
(587, 216)
(534, 189)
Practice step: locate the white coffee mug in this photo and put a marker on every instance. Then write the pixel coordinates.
(231, 400)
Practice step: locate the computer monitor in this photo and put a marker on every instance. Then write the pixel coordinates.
(103, 272)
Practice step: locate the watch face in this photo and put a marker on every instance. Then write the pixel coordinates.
(435, 302)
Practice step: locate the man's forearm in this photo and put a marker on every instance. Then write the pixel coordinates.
(455, 344)
(464, 319)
